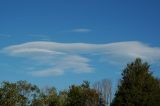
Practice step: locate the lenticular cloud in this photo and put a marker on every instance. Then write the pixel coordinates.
(72, 56)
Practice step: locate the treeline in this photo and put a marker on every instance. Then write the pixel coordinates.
(137, 87)
(22, 93)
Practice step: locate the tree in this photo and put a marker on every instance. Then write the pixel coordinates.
(27, 90)
(47, 97)
(17, 94)
(63, 98)
(104, 89)
(137, 87)
(82, 95)
(9, 95)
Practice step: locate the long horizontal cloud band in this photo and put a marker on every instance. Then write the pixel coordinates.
(69, 56)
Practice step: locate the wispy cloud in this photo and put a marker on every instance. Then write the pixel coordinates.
(81, 30)
(5, 36)
(64, 57)
(76, 64)
(44, 37)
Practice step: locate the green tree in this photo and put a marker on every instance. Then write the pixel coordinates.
(47, 97)
(9, 95)
(17, 94)
(28, 91)
(63, 98)
(137, 87)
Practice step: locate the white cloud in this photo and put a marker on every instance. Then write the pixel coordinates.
(72, 57)
(75, 64)
(81, 30)
(47, 72)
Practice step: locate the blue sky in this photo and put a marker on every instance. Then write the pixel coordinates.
(63, 42)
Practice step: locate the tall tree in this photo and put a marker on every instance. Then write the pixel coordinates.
(137, 87)
(104, 89)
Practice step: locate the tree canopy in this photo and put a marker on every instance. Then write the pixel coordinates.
(138, 87)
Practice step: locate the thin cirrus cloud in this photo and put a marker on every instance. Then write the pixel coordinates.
(81, 30)
(72, 57)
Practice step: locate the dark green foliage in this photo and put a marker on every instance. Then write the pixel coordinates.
(23, 93)
(137, 87)
(82, 95)
(47, 97)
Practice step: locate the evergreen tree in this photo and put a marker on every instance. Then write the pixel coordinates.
(82, 95)
(137, 87)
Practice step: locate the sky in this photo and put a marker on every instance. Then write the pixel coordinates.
(63, 42)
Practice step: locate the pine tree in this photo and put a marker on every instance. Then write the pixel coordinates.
(137, 87)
